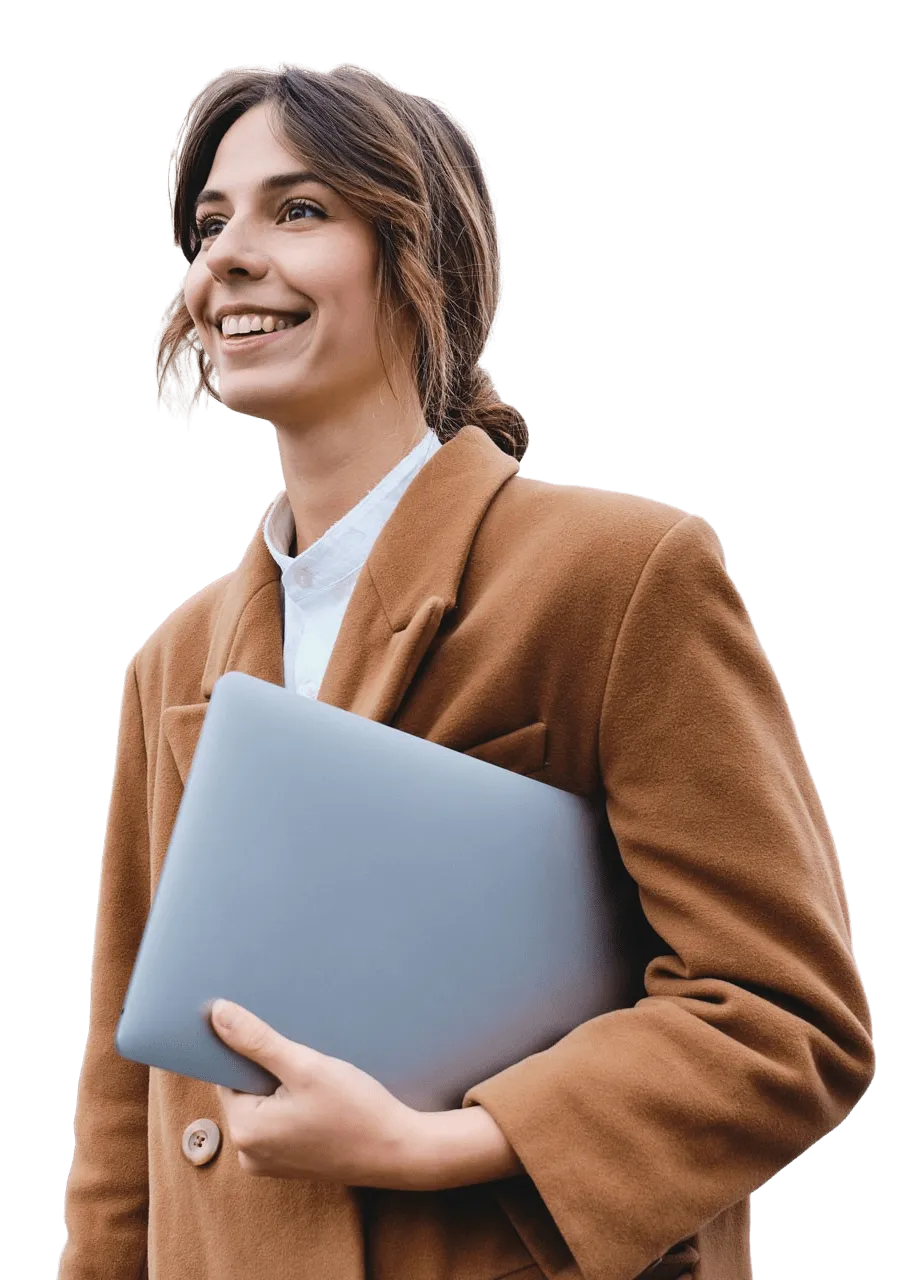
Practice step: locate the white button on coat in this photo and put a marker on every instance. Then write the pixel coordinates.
(201, 1141)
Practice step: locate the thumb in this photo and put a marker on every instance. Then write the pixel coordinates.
(248, 1034)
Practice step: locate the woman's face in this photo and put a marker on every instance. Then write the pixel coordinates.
(283, 250)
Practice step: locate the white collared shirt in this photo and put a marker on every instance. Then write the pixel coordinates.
(317, 584)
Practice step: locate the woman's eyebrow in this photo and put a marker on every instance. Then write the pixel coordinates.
(277, 182)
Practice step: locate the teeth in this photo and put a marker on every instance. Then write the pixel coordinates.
(254, 323)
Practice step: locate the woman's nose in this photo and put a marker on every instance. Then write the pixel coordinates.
(233, 251)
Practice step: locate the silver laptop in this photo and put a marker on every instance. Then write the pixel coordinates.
(423, 914)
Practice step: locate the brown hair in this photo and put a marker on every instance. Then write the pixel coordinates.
(405, 166)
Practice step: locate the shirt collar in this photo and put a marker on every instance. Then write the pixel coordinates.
(345, 546)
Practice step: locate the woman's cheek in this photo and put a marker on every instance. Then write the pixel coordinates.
(193, 297)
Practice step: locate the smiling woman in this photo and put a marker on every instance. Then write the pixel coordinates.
(342, 280)
(361, 212)
(277, 244)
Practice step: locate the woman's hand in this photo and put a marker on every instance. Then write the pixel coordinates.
(327, 1119)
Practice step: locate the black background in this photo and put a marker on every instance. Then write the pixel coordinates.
(682, 319)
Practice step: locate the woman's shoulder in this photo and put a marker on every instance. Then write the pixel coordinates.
(577, 519)
(179, 644)
(595, 546)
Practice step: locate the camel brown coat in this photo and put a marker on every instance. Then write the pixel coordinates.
(595, 641)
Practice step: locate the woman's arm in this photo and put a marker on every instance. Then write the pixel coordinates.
(753, 1040)
(460, 1148)
(106, 1201)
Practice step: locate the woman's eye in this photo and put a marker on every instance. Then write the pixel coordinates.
(207, 227)
(299, 206)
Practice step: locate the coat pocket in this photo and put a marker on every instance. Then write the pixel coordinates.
(678, 1263)
(181, 727)
(521, 750)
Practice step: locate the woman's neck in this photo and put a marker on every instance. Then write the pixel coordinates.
(328, 469)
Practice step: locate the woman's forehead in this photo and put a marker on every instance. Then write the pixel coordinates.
(252, 151)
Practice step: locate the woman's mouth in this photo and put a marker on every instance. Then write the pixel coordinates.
(250, 332)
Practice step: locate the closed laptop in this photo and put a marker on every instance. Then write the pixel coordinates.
(428, 916)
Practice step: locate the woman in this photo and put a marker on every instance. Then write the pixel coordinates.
(342, 282)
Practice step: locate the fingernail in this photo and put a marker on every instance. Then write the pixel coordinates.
(221, 1009)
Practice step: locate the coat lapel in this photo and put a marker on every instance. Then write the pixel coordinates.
(407, 585)
(411, 577)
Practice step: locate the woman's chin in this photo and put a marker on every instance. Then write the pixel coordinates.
(255, 397)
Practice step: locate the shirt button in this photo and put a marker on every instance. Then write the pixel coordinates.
(303, 576)
(307, 689)
(201, 1141)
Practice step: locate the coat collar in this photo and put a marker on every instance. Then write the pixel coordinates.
(407, 584)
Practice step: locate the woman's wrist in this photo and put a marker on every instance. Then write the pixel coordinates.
(457, 1148)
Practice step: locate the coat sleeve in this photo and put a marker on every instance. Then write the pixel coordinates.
(754, 1037)
(106, 1198)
